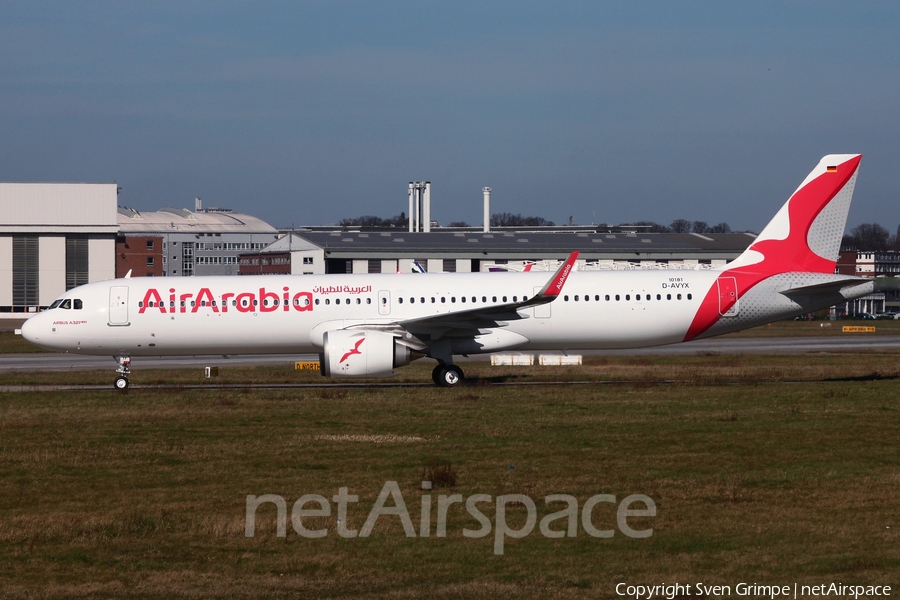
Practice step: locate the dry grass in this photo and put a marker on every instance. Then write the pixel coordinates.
(755, 479)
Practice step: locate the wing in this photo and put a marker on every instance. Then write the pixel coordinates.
(469, 321)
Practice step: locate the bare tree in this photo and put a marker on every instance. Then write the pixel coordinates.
(680, 226)
(506, 219)
(372, 221)
(870, 237)
(652, 226)
(699, 227)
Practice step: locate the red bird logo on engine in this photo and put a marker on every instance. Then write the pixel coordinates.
(355, 350)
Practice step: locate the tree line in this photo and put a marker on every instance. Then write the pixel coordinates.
(506, 219)
(503, 219)
(871, 237)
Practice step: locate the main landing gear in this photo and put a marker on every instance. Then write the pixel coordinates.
(447, 375)
(121, 382)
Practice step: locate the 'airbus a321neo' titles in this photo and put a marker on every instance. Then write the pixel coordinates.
(366, 325)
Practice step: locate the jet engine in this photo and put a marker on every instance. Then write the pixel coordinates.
(361, 353)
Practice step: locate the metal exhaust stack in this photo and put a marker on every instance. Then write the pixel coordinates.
(487, 209)
(426, 208)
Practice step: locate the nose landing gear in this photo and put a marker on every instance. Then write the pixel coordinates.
(121, 382)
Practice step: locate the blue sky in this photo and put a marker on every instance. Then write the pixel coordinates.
(307, 112)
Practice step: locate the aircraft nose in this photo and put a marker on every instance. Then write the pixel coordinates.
(31, 329)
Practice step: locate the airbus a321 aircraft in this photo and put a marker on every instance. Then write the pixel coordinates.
(366, 325)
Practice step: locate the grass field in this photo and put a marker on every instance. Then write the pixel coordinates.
(763, 469)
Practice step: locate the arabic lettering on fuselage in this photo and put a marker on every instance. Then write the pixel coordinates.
(346, 289)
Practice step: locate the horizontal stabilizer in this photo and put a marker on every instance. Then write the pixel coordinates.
(824, 288)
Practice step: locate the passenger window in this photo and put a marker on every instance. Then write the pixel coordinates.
(493, 298)
(628, 296)
(368, 301)
(689, 297)
(679, 296)
(412, 300)
(359, 300)
(617, 297)
(576, 297)
(400, 300)
(443, 300)
(327, 301)
(566, 298)
(515, 298)
(637, 297)
(462, 299)
(504, 298)
(474, 299)
(597, 297)
(668, 296)
(422, 300)
(659, 296)
(484, 298)
(452, 299)
(607, 297)
(317, 301)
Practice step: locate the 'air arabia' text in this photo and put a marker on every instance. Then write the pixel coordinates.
(265, 301)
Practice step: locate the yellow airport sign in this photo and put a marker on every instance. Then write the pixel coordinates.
(312, 365)
(857, 329)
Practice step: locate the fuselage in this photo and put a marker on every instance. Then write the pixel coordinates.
(284, 314)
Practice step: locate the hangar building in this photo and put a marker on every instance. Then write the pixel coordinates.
(53, 237)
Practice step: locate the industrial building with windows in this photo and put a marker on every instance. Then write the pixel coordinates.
(180, 242)
(449, 250)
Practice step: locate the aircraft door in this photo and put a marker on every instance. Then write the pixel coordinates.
(118, 305)
(384, 302)
(542, 311)
(728, 296)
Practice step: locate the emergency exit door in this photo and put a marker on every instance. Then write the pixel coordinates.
(118, 305)
(728, 296)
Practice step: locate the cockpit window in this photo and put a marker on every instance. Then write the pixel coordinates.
(55, 304)
(66, 304)
(77, 305)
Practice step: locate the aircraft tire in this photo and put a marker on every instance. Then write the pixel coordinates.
(436, 374)
(451, 376)
(121, 384)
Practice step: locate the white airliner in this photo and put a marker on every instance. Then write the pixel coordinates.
(366, 325)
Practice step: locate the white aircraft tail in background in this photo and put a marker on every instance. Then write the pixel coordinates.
(367, 325)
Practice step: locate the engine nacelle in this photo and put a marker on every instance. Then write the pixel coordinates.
(361, 353)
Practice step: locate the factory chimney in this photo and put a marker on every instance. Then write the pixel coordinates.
(198, 206)
(487, 209)
(426, 208)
